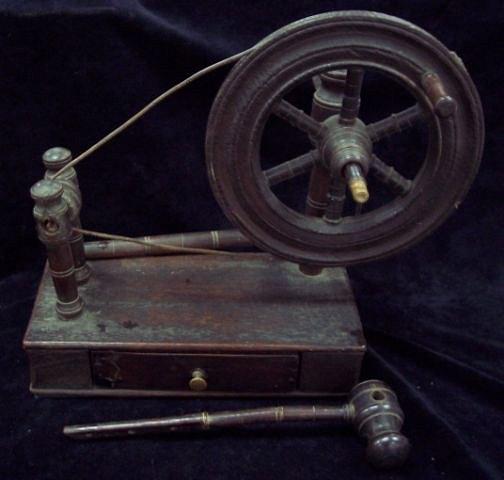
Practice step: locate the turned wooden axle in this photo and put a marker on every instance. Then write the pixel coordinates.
(372, 409)
(54, 229)
(216, 239)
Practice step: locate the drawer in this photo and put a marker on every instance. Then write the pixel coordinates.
(198, 372)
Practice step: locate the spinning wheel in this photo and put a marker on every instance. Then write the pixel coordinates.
(250, 323)
(330, 47)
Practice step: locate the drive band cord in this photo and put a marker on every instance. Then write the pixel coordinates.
(130, 121)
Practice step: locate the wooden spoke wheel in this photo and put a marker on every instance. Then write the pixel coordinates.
(342, 156)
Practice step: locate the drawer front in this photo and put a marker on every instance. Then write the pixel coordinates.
(220, 373)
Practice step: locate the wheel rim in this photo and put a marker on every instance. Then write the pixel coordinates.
(298, 52)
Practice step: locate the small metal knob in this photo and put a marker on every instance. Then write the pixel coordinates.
(198, 381)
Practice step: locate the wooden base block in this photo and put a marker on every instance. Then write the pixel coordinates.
(249, 324)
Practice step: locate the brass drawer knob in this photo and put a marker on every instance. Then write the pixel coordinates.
(198, 381)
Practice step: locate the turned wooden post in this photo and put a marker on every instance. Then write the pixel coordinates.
(54, 230)
(54, 159)
(327, 101)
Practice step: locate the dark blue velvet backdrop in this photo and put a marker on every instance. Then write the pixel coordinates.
(72, 70)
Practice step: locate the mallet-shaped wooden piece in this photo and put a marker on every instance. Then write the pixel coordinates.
(372, 409)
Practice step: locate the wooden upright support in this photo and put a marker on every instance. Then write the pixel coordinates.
(54, 230)
(54, 159)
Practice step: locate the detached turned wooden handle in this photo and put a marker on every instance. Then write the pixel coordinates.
(372, 409)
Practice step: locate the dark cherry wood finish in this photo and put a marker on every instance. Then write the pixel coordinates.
(372, 409)
(253, 324)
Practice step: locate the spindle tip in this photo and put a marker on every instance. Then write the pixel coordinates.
(359, 190)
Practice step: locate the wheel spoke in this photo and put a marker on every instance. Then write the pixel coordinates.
(316, 200)
(298, 119)
(390, 176)
(397, 122)
(336, 197)
(293, 168)
(351, 96)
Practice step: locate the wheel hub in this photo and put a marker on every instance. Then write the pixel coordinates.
(345, 151)
(342, 145)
